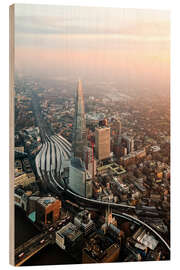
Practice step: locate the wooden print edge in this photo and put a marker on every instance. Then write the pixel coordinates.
(11, 137)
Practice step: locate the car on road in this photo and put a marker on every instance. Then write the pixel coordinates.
(60, 223)
(21, 255)
(68, 218)
(42, 241)
(51, 229)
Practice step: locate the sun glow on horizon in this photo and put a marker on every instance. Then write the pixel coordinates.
(132, 46)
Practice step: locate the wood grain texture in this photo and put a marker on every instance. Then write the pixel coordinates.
(11, 136)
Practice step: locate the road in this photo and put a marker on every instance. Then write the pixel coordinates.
(31, 247)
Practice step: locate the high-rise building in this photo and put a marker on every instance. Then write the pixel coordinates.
(77, 176)
(89, 188)
(129, 143)
(90, 162)
(79, 125)
(116, 128)
(115, 137)
(80, 171)
(102, 141)
(79, 180)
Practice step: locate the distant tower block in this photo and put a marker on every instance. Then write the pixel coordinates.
(79, 125)
(102, 141)
(116, 128)
(128, 143)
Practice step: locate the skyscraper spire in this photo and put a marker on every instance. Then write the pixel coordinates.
(79, 125)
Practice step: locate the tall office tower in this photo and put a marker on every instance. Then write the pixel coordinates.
(116, 137)
(79, 180)
(102, 141)
(128, 143)
(77, 176)
(79, 125)
(90, 162)
(116, 128)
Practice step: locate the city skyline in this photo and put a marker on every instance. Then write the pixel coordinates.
(128, 179)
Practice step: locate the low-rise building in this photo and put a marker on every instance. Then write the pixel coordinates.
(47, 210)
(84, 222)
(24, 179)
(131, 157)
(155, 197)
(112, 168)
(69, 237)
(100, 249)
(147, 240)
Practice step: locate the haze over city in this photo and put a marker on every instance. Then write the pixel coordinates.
(128, 47)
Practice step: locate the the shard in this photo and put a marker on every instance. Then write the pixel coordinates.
(79, 125)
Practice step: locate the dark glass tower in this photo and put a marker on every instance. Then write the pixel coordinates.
(79, 125)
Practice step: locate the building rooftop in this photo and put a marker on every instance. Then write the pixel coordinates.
(45, 201)
(70, 231)
(155, 148)
(145, 239)
(19, 191)
(115, 168)
(84, 217)
(99, 246)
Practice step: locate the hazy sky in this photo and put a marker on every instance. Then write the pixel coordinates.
(128, 46)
